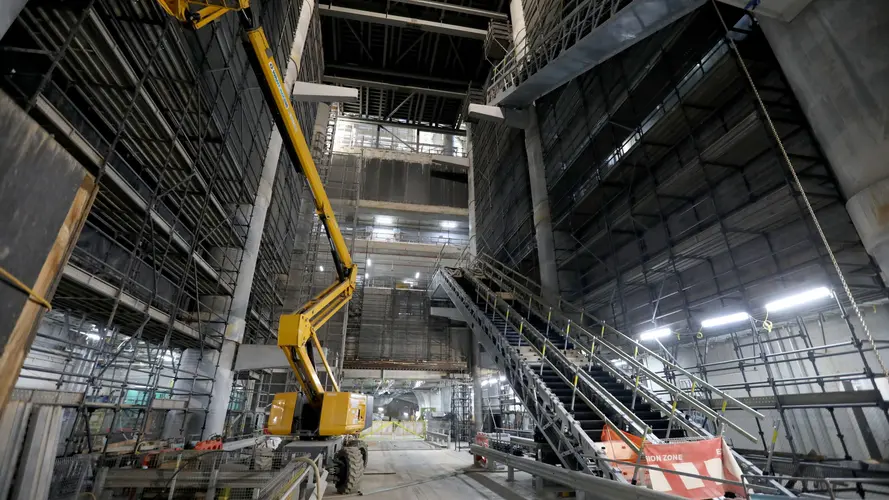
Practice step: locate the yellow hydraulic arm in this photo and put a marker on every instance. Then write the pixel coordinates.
(295, 330)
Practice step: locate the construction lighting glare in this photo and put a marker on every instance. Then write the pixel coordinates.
(724, 320)
(384, 220)
(655, 334)
(321, 268)
(448, 224)
(485, 382)
(619, 362)
(380, 409)
(503, 378)
(417, 276)
(92, 336)
(799, 299)
(368, 262)
(366, 276)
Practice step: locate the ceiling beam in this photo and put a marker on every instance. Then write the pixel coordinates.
(424, 128)
(400, 21)
(457, 8)
(398, 74)
(354, 82)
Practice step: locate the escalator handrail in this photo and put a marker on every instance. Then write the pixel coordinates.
(538, 385)
(631, 360)
(639, 426)
(700, 382)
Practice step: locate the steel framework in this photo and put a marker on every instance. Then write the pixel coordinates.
(170, 122)
(672, 203)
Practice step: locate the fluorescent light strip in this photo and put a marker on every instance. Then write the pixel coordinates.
(655, 334)
(724, 320)
(799, 299)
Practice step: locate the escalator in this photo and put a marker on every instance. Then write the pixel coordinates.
(565, 391)
(575, 383)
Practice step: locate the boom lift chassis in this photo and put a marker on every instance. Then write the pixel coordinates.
(315, 420)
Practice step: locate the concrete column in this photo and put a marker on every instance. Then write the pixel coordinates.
(477, 413)
(234, 329)
(543, 227)
(9, 10)
(473, 244)
(835, 54)
(517, 19)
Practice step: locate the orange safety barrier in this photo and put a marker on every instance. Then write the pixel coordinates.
(209, 444)
(708, 457)
(616, 449)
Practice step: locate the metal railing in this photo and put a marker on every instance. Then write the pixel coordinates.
(566, 324)
(562, 432)
(532, 53)
(550, 354)
(573, 328)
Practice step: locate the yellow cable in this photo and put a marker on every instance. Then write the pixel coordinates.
(32, 295)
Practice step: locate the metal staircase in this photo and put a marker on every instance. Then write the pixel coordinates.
(570, 373)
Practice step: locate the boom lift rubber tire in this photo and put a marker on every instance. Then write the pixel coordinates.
(361, 445)
(351, 468)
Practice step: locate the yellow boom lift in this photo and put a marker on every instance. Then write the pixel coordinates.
(324, 421)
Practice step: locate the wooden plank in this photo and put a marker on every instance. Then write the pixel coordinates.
(50, 195)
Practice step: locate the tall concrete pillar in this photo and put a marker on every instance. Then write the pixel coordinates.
(543, 226)
(473, 243)
(234, 329)
(477, 414)
(835, 54)
(517, 19)
(9, 10)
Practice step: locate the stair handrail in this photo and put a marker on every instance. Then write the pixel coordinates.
(639, 426)
(483, 258)
(534, 384)
(648, 395)
(743, 461)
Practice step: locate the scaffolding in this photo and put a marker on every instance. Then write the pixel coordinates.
(170, 122)
(671, 203)
(462, 426)
(389, 321)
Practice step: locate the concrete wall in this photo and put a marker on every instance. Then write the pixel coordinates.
(835, 54)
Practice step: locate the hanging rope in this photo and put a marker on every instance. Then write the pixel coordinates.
(32, 295)
(802, 192)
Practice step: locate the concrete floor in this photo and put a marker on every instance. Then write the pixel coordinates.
(407, 470)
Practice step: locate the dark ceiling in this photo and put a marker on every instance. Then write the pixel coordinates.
(407, 73)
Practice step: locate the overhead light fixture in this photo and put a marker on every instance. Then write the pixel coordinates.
(417, 276)
(380, 409)
(91, 336)
(485, 382)
(725, 320)
(368, 262)
(384, 220)
(799, 299)
(321, 268)
(448, 224)
(655, 334)
(366, 276)
(502, 378)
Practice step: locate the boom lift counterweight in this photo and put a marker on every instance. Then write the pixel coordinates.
(324, 413)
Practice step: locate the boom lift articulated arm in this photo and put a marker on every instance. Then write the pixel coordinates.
(298, 329)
